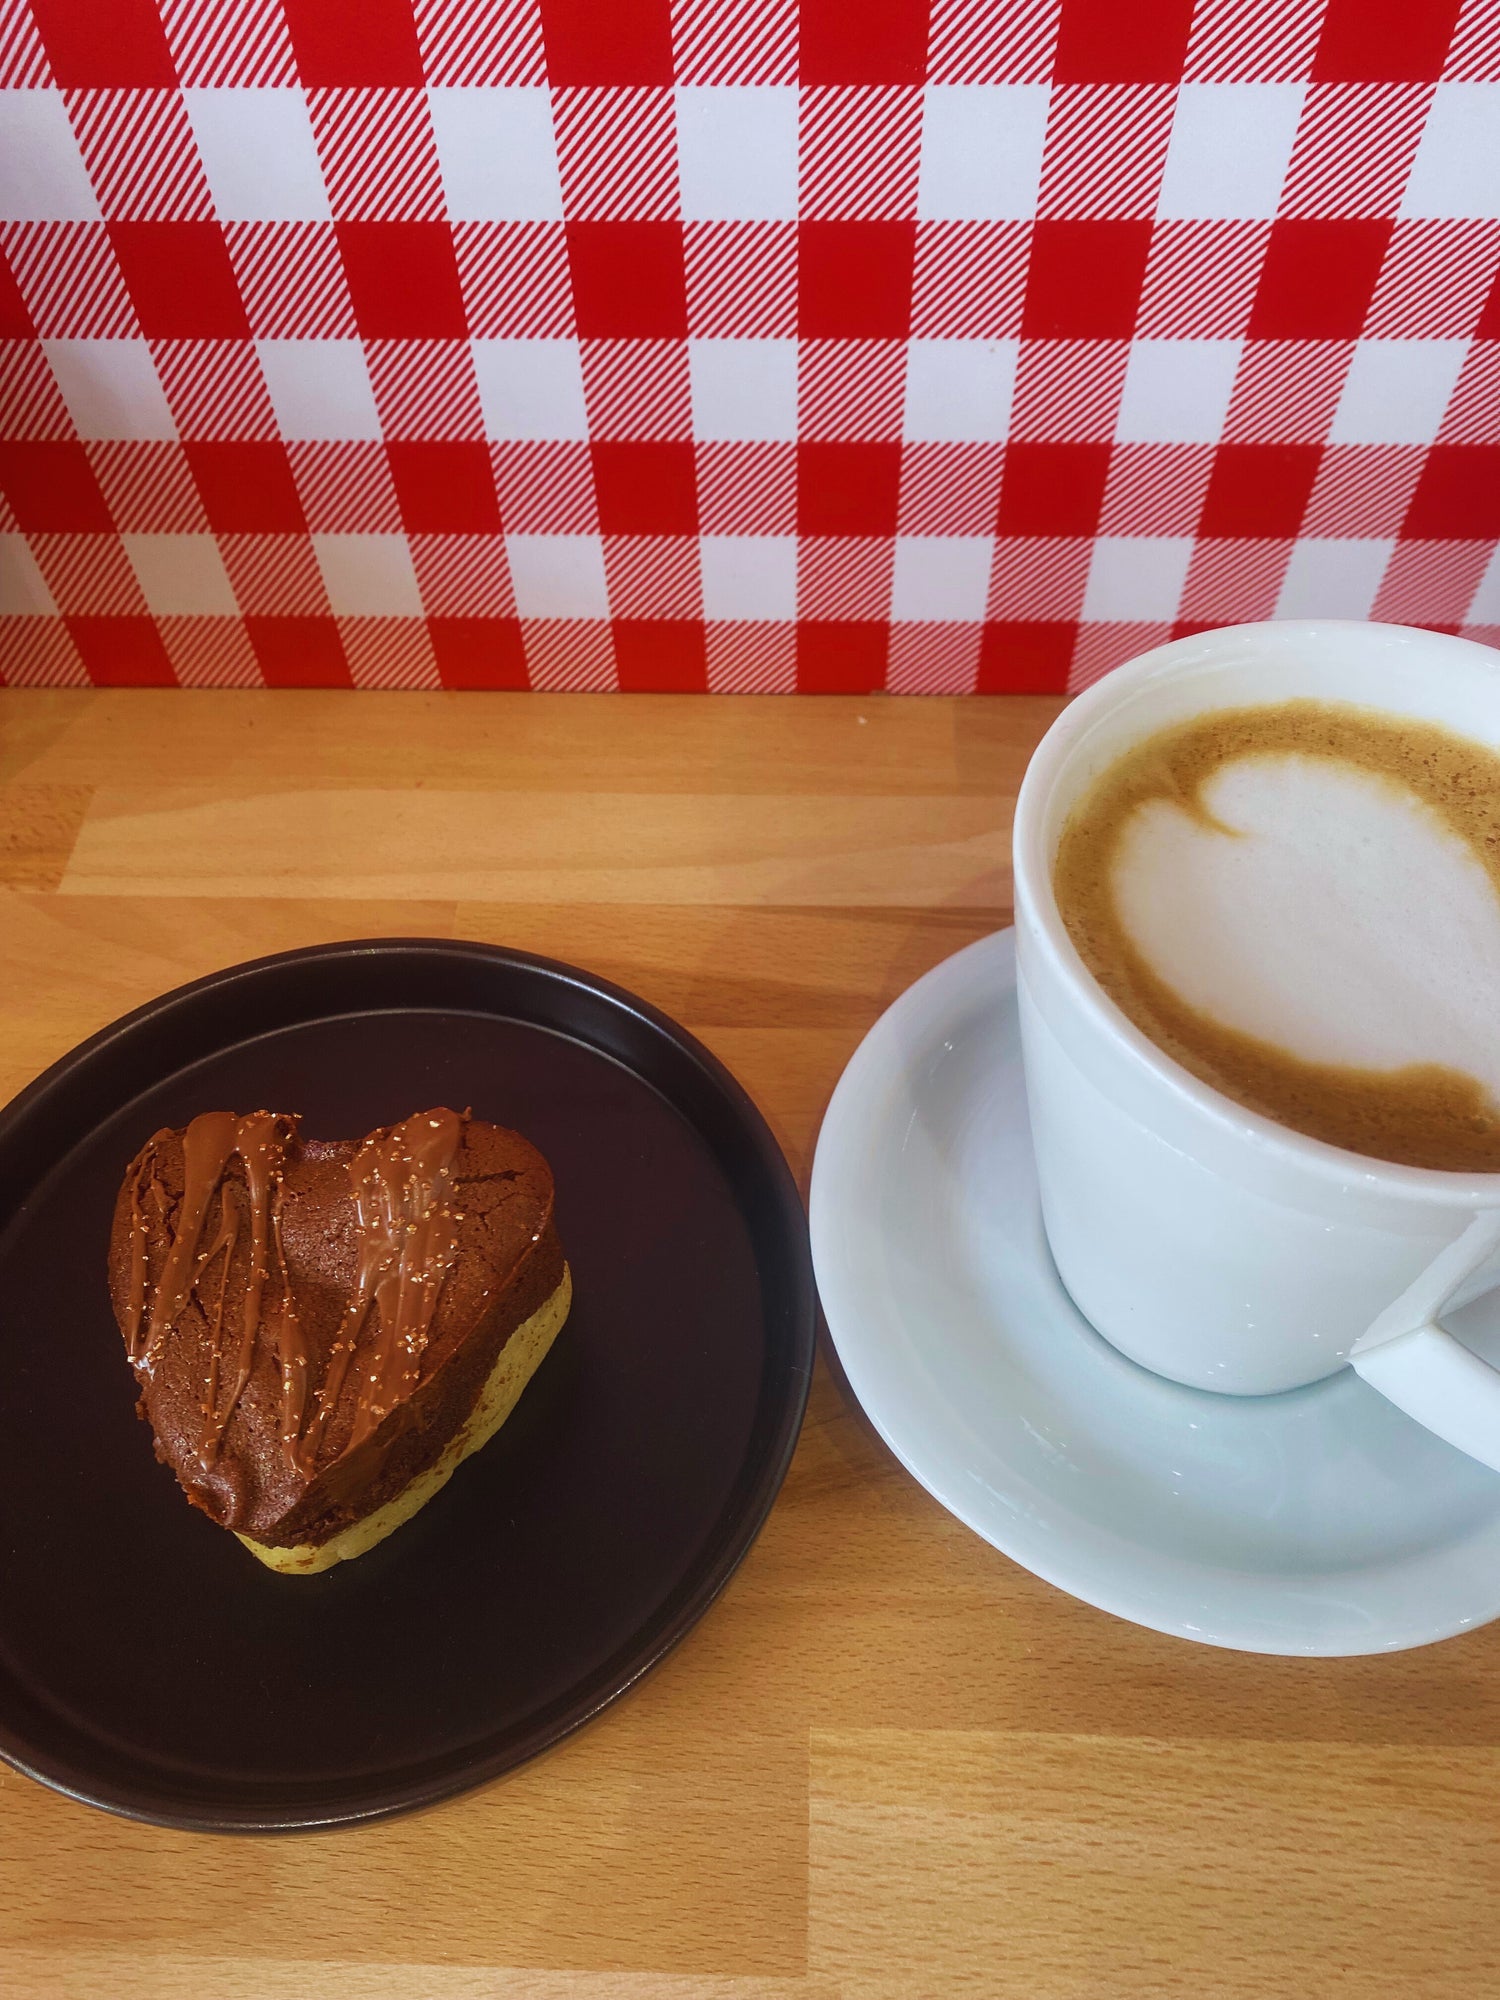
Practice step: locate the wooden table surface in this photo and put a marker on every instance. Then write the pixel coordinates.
(888, 1762)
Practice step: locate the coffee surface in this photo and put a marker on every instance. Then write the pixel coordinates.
(1300, 903)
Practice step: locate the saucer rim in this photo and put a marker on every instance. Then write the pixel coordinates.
(853, 1118)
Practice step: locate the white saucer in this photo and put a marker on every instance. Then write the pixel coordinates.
(1322, 1521)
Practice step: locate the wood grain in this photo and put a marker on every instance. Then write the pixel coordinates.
(888, 1763)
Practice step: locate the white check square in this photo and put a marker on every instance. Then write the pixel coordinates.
(181, 576)
(1457, 168)
(744, 390)
(498, 154)
(1136, 577)
(42, 174)
(368, 576)
(749, 576)
(1332, 577)
(531, 389)
(1395, 391)
(23, 588)
(259, 154)
(1229, 150)
(981, 152)
(111, 388)
(737, 152)
(320, 389)
(959, 391)
(1176, 391)
(941, 577)
(558, 576)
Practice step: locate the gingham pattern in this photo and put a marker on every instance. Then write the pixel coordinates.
(929, 345)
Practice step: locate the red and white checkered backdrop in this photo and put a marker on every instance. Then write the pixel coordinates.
(927, 345)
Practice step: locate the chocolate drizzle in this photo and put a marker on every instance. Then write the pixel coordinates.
(402, 1180)
(292, 1351)
(213, 1138)
(402, 1184)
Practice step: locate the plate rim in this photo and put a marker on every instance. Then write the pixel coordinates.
(867, 1068)
(736, 1527)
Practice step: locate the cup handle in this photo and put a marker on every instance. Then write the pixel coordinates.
(1422, 1369)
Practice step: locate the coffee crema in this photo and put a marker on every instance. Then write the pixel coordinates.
(1300, 903)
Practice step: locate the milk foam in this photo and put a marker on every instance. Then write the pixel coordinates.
(1345, 923)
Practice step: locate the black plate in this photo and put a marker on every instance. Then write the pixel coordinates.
(148, 1664)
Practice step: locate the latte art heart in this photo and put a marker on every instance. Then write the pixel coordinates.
(1325, 910)
(1301, 904)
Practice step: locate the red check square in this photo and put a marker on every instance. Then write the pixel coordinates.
(629, 281)
(479, 652)
(855, 280)
(180, 280)
(403, 279)
(841, 656)
(881, 41)
(52, 489)
(247, 488)
(625, 41)
(122, 652)
(1099, 41)
(354, 42)
(444, 488)
(15, 319)
(1458, 495)
(1052, 489)
(661, 655)
(299, 652)
(1259, 490)
(1318, 279)
(848, 489)
(1026, 656)
(105, 44)
(1085, 280)
(646, 489)
(1384, 41)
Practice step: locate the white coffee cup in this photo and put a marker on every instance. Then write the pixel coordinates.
(1209, 1244)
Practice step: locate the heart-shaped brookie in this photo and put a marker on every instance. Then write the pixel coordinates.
(321, 1330)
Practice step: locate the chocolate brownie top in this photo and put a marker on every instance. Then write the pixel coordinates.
(311, 1321)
